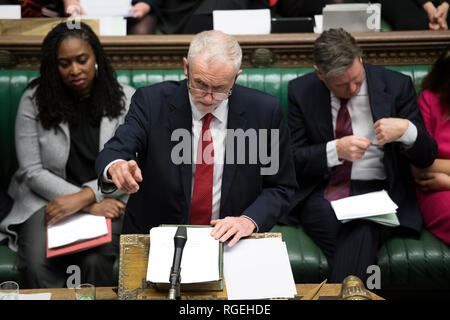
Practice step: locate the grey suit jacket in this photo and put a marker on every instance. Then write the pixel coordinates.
(42, 155)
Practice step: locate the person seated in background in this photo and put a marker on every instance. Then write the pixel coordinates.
(65, 117)
(416, 14)
(194, 16)
(144, 21)
(433, 182)
(355, 128)
(209, 111)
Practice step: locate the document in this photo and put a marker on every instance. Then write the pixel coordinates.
(77, 227)
(10, 11)
(200, 261)
(106, 8)
(376, 206)
(242, 21)
(258, 269)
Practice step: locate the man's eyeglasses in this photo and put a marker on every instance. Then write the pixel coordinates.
(199, 93)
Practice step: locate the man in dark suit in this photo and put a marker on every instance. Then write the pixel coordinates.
(355, 128)
(236, 188)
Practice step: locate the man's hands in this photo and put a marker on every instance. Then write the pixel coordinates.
(237, 227)
(437, 16)
(390, 129)
(73, 8)
(352, 148)
(126, 175)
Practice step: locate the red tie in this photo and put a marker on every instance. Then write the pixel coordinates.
(339, 185)
(201, 206)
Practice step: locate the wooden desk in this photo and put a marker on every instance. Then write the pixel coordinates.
(102, 293)
(107, 293)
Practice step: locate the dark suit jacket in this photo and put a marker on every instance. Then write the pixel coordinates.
(391, 94)
(164, 196)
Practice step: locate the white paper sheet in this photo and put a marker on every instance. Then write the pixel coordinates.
(10, 11)
(258, 269)
(364, 205)
(200, 260)
(242, 21)
(77, 227)
(106, 8)
(36, 296)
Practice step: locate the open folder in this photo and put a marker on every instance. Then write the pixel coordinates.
(201, 262)
(77, 233)
(374, 206)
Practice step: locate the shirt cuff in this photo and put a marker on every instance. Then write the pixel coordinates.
(332, 156)
(105, 172)
(409, 137)
(257, 228)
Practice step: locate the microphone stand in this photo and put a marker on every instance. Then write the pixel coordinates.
(175, 278)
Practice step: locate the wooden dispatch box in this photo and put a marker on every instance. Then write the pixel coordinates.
(134, 249)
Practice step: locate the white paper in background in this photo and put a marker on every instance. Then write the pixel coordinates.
(110, 26)
(200, 260)
(36, 296)
(77, 227)
(364, 205)
(258, 269)
(10, 11)
(318, 23)
(106, 8)
(242, 21)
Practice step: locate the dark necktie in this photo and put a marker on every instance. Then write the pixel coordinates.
(339, 185)
(201, 206)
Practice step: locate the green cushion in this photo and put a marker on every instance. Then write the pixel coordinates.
(8, 266)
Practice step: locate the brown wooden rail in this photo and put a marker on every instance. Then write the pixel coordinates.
(273, 50)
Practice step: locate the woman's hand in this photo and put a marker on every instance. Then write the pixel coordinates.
(73, 8)
(66, 205)
(109, 208)
(140, 9)
(433, 181)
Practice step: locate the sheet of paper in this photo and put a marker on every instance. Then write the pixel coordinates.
(364, 205)
(318, 23)
(242, 21)
(36, 296)
(10, 11)
(110, 26)
(77, 227)
(200, 260)
(106, 8)
(258, 269)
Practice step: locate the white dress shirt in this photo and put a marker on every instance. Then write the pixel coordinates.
(370, 166)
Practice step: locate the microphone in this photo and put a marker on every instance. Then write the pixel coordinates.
(174, 279)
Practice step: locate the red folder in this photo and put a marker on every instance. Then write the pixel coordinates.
(82, 245)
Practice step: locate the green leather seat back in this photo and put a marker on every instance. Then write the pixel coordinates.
(12, 85)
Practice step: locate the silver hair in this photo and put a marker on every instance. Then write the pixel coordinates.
(335, 51)
(219, 45)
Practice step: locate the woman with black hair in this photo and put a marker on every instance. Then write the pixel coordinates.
(65, 117)
(433, 183)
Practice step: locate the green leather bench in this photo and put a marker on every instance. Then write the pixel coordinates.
(407, 265)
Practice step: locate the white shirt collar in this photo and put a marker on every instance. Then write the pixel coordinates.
(219, 113)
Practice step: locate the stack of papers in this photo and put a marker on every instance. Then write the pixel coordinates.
(77, 227)
(258, 269)
(199, 262)
(375, 206)
(80, 231)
